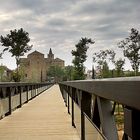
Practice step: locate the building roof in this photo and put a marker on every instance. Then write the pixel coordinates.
(50, 52)
(58, 59)
(35, 53)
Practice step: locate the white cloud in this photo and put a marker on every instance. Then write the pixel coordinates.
(60, 24)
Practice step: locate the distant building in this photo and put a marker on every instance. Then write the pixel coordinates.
(35, 66)
(5, 74)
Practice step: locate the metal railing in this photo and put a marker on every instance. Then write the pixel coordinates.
(91, 105)
(14, 95)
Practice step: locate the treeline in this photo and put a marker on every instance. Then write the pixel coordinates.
(130, 47)
(17, 43)
(103, 59)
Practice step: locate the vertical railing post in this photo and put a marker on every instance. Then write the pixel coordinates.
(20, 96)
(86, 99)
(107, 119)
(82, 117)
(10, 100)
(72, 105)
(65, 96)
(34, 90)
(62, 91)
(37, 88)
(131, 123)
(68, 99)
(27, 96)
(31, 91)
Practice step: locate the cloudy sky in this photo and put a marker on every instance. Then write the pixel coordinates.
(59, 24)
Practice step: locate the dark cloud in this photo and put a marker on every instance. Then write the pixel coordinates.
(61, 23)
(46, 6)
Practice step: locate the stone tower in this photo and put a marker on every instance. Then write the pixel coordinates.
(50, 55)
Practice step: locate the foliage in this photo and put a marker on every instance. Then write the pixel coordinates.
(80, 57)
(17, 44)
(5, 74)
(1, 73)
(102, 58)
(105, 70)
(131, 49)
(130, 73)
(22, 73)
(55, 72)
(119, 67)
(69, 73)
(16, 76)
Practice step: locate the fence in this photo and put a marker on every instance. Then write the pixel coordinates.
(91, 105)
(14, 95)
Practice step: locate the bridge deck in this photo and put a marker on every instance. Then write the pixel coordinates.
(43, 118)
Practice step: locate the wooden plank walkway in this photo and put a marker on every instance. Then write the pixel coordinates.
(43, 118)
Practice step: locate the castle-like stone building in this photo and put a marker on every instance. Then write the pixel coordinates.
(35, 66)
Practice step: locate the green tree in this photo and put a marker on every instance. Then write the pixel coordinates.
(80, 57)
(69, 73)
(1, 73)
(55, 72)
(105, 70)
(22, 72)
(102, 58)
(119, 63)
(17, 44)
(131, 49)
(119, 66)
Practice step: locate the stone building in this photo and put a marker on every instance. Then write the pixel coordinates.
(5, 74)
(35, 66)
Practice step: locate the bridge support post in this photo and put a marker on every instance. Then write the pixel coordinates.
(82, 116)
(107, 119)
(131, 123)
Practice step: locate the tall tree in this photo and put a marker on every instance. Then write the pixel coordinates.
(119, 66)
(1, 73)
(131, 49)
(69, 72)
(80, 57)
(16, 42)
(105, 70)
(55, 72)
(102, 58)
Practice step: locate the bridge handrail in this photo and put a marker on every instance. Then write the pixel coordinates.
(13, 84)
(14, 95)
(125, 91)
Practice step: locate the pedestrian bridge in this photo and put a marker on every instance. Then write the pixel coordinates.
(43, 118)
(78, 110)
